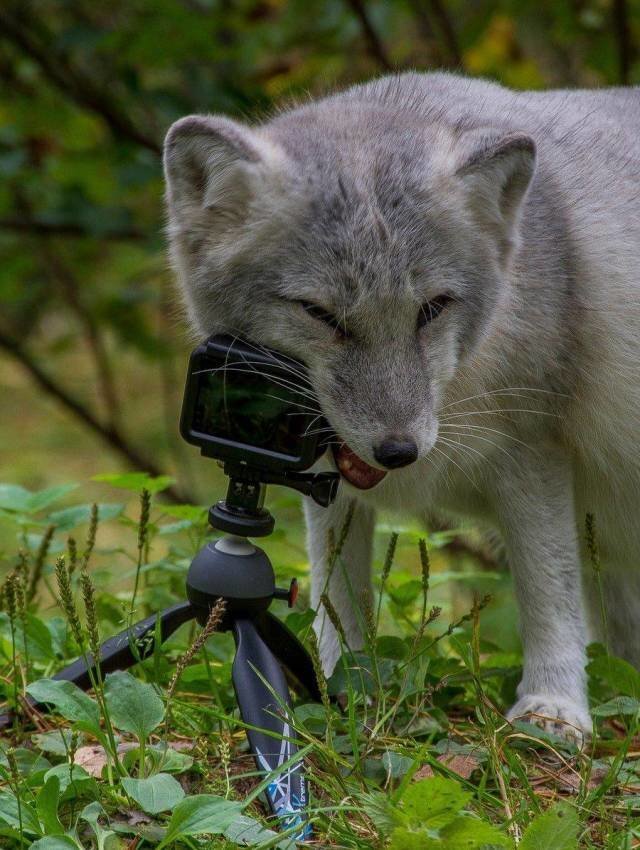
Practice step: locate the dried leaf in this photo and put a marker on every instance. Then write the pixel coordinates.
(462, 764)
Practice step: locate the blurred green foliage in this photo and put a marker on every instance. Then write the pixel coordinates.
(87, 313)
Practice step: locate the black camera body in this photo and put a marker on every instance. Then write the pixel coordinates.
(251, 405)
(254, 409)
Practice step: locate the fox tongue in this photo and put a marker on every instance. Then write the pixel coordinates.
(355, 470)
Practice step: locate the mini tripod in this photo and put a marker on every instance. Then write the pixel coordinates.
(235, 570)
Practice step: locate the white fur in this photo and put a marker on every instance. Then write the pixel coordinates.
(523, 396)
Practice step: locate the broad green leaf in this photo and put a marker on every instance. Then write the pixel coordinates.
(390, 646)
(133, 706)
(379, 809)
(136, 481)
(39, 642)
(300, 621)
(47, 806)
(373, 769)
(107, 838)
(555, 829)
(247, 832)
(193, 513)
(44, 498)
(58, 742)
(465, 833)
(14, 498)
(616, 706)
(175, 527)
(170, 760)
(12, 814)
(155, 794)
(67, 698)
(59, 630)
(312, 716)
(396, 764)
(433, 803)
(621, 676)
(406, 593)
(163, 759)
(73, 778)
(29, 762)
(357, 674)
(69, 518)
(56, 842)
(201, 814)
(39, 638)
(21, 500)
(34, 541)
(407, 839)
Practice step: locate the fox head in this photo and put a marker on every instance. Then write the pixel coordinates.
(368, 242)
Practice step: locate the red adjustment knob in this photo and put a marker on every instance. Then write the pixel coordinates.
(293, 592)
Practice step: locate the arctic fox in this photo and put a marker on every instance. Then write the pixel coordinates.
(458, 264)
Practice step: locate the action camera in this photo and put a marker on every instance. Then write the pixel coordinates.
(250, 405)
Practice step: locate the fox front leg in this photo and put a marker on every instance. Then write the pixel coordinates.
(536, 512)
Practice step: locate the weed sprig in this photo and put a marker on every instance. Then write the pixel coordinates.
(406, 700)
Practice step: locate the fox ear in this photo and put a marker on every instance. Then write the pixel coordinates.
(496, 171)
(214, 165)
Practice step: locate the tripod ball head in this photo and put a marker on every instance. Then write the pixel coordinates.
(237, 571)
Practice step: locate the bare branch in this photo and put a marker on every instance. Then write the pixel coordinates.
(68, 283)
(374, 43)
(448, 31)
(423, 20)
(623, 38)
(63, 275)
(423, 16)
(108, 433)
(38, 227)
(72, 82)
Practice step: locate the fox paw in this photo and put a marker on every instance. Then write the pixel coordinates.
(556, 715)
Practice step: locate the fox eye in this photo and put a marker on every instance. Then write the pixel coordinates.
(430, 310)
(322, 315)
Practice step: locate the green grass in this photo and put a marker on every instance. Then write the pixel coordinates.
(414, 752)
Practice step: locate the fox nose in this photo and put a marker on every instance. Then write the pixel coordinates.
(394, 452)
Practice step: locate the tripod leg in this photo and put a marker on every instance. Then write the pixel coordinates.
(261, 706)
(286, 646)
(121, 651)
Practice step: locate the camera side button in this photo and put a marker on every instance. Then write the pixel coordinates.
(289, 594)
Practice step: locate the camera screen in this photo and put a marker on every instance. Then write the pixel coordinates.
(235, 403)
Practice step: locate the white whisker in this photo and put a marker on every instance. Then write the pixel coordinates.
(484, 439)
(292, 403)
(282, 382)
(507, 391)
(499, 410)
(451, 460)
(492, 430)
(467, 448)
